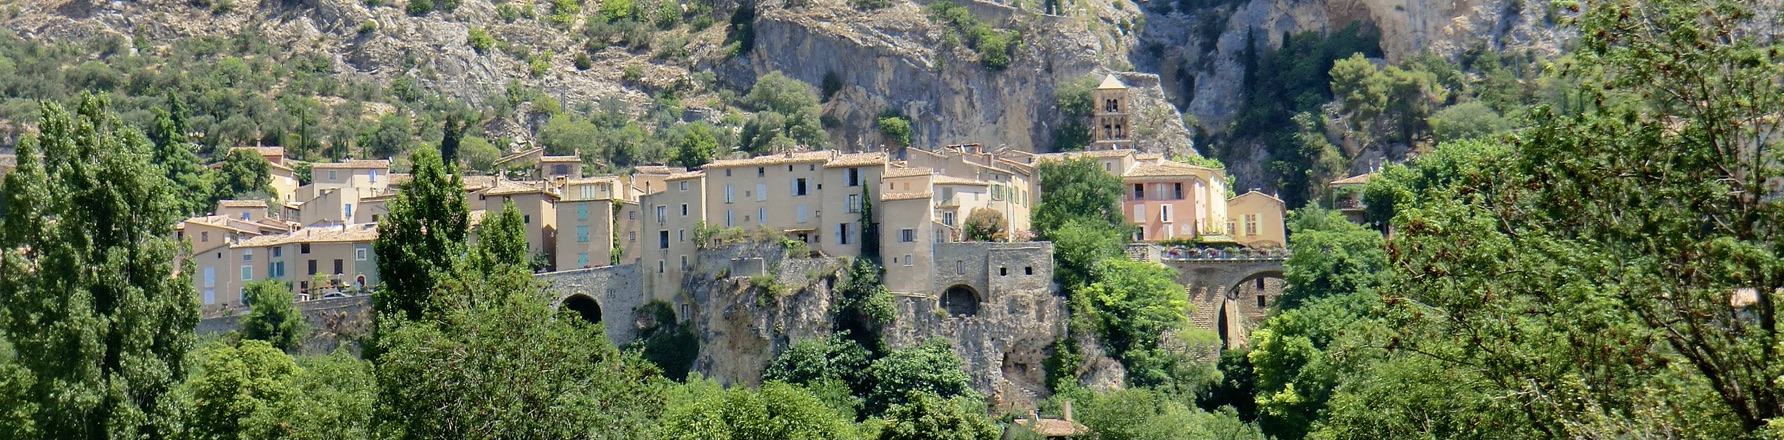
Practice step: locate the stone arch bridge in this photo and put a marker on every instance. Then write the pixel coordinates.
(1230, 291)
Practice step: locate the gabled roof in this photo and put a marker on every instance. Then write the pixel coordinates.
(508, 188)
(909, 195)
(355, 164)
(857, 160)
(1256, 193)
(560, 159)
(521, 154)
(657, 169)
(1354, 180)
(774, 159)
(1110, 82)
(940, 179)
(343, 234)
(684, 176)
(241, 203)
(906, 172)
(1165, 169)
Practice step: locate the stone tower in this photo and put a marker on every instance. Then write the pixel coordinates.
(1109, 125)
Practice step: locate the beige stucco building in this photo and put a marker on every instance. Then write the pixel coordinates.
(1258, 220)
(1164, 199)
(585, 222)
(668, 223)
(537, 203)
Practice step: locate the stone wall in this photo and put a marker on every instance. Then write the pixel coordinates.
(333, 322)
(619, 290)
(1019, 317)
(742, 326)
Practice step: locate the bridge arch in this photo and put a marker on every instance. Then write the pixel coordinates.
(961, 300)
(583, 305)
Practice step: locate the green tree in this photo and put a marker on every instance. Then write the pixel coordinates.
(1134, 305)
(392, 136)
(418, 240)
(1468, 120)
(240, 392)
(452, 133)
(668, 343)
(1331, 256)
(925, 416)
(565, 134)
(1145, 414)
(559, 378)
(930, 368)
(985, 224)
(272, 316)
(173, 152)
(476, 154)
(244, 174)
(1077, 189)
(89, 297)
(697, 148)
(1079, 246)
(895, 128)
(501, 241)
(811, 361)
(703, 410)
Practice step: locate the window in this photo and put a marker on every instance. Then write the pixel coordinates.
(1251, 224)
(210, 276)
(947, 194)
(730, 193)
(332, 176)
(684, 311)
(761, 216)
(659, 266)
(663, 239)
(631, 215)
(1028, 270)
(1139, 191)
(278, 251)
(588, 191)
(1260, 301)
(359, 253)
(582, 259)
(842, 233)
(582, 211)
(684, 210)
(907, 235)
(248, 254)
(1177, 190)
(854, 203)
(854, 177)
(730, 218)
(681, 235)
(799, 186)
(727, 172)
(247, 273)
(210, 296)
(312, 267)
(1140, 234)
(1260, 284)
(632, 236)
(582, 234)
(1003, 271)
(662, 213)
(761, 192)
(761, 172)
(303, 248)
(1164, 213)
(684, 185)
(371, 176)
(684, 262)
(349, 211)
(560, 169)
(908, 261)
(340, 266)
(204, 236)
(948, 218)
(801, 214)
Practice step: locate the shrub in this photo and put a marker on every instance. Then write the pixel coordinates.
(480, 40)
(565, 12)
(583, 62)
(632, 74)
(895, 128)
(615, 10)
(985, 224)
(508, 12)
(668, 15)
(420, 7)
(368, 26)
(540, 64)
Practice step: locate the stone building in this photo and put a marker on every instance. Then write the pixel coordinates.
(1111, 125)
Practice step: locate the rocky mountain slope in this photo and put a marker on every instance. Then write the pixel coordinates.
(1177, 54)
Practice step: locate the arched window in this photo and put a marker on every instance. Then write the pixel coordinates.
(961, 301)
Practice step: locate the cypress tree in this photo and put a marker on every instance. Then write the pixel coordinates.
(418, 241)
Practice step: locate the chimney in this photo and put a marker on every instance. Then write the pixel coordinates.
(1068, 410)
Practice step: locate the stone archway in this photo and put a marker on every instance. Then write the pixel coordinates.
(584, 306)
(961, 300)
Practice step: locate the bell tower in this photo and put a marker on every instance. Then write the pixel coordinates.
(1110, 126)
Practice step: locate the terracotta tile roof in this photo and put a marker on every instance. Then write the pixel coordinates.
(264, 151)
(557, 159)
(1354, 180)
(684, 176)
(1148, 156)
(522, 153)
(475, 217)
(223, 222)
(353, 164)
(1093, 153)
(1055, 427)
(657, 169)
(951, 180)
(343, 234)
(774, 159)
(1163, 169)
(857, 160)
(473, 183)
(913, 195)
(508, 188)
(1259, 193)
(241, 203)
(906, 172)
(1110, 82)
(596, 179)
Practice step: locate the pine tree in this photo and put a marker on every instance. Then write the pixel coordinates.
(173, 153)
(418, 241)
(89, 296)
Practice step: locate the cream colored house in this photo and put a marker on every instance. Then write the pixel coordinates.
(1258, 220)
(335, 191)
(340, 256)
(1163, 199)
(585, 222)
(670, 219)
(537, 203)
